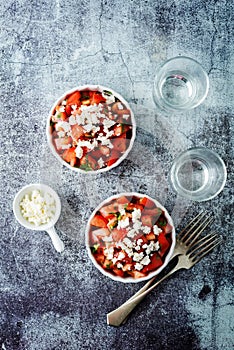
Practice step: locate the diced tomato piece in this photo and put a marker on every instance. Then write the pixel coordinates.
(167, 228)
(68, 110)
(100, 258)
(73, 161)
(131, 206)
(62, 141)
(69, 153)
(96, 153)
(92, 162)
(122, 200)
(99, 221)
(164, 244)
(120, 143)
(113, 157)
(137, 274)
(127, 267)
(107, 264)
(61, 116)
(118, 130)
(118, 272)
(77, 131)
(156, 212)
(124, 111)
(118, 108)
(150, 236)
(109, 209)
(105, 151)
(148, 203)
(86, 102)
(155, 263)
(97, 98)
(74, 98)
(97, 235)
(147, 220)
(118, 235)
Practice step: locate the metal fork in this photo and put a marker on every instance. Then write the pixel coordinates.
(189, 250)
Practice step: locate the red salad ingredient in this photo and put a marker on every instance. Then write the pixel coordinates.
(130, 236)
(91, 130)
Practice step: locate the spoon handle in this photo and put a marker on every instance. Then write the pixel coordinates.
(58, 244)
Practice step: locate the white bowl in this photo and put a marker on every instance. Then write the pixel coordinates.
(98, 88)
(48, 227)
(130, 279)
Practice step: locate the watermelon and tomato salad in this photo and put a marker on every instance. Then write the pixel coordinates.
(91, 129)
(130, 236)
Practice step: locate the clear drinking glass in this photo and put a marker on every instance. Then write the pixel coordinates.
(198, 174)
(180, 84)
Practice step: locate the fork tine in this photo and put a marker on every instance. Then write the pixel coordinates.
(201, 243)
(190, 240)
(184, 232)
(191, 232)
(203, 252)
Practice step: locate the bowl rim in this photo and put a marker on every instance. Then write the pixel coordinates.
(99, 88)
(130, 279)
(28, 189)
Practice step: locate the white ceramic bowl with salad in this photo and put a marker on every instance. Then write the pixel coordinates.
(130, 237)
(37, 207)
(91, 129)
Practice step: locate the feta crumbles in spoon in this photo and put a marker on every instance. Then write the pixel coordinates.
(38, 208)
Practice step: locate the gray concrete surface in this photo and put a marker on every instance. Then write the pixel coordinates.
(51, 301)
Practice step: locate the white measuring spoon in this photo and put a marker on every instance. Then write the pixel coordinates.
(49, 227)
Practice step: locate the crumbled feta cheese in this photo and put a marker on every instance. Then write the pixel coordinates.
(109, 253)
(61, 109)
(72, 120)
(128, 242)
(79, 152)
(138, 256)
(37, 208)
(121, 256)
(136, 214)
(101, 162)
(123, 223)
(125, 116)
(131, 233)
(139, 241)
(107, 239)
(65, 146)
(108, 123)
(146, 229)
(122, 211)
(61, 134)
(146, 260)
(63, 125)
(119, 265)
(120, 106)
(157, 230)
(138, 266)
(137, 225)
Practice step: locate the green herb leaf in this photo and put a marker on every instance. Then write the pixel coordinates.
(108, 93)
(94, 248)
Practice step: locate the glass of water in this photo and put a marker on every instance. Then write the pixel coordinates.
(180, 84)
(198, 174)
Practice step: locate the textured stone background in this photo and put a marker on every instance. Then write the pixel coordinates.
(52, 301)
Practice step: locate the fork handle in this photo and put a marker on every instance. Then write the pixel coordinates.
(118, 316)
